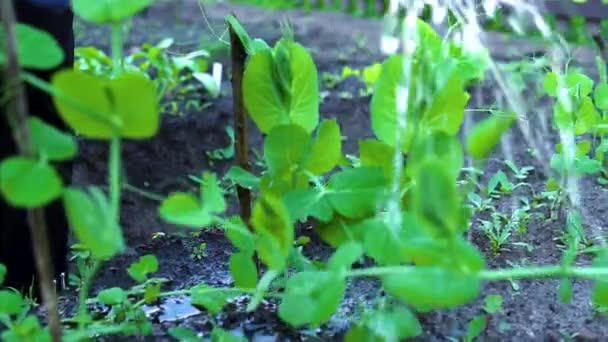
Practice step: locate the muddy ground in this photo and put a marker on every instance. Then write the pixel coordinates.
(161, 165)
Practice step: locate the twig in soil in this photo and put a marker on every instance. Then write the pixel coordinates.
(16, 114)
(239, 55)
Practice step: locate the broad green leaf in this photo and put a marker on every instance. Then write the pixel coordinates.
(243, 178)
(2, 273)
(211, 299)
(251, 46)
(306, 203)
(152, 293)
(587, 117)
(91, 219)
(600, 287)
(326, 149)
(276, 234)
(265, 96)
(356, 193)
(240, 235)
(183, 209)
(11, 302)
(286, 147)
(550, 84)
(108, 11)
(345, 256)
(184, 334)
(112, 296)
(435, 199)
(36, 49)
(476, 327)
(435, 102)
(377, 153)
(50, 142)
(381, 243)
(243, 270)
(493, 303)
(340, 230)
(487, 134)
(440, 146)
(27, 329)
(579, 82)
(388, 325)
(449, 289)
(221, 335)
(212, 194)
(320, 293)
(600, 96)
(96, 105)
(27, 183)
(145, 264)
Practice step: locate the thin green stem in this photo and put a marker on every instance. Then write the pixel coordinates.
(84, 294)
(114, 174)
(498, 274)
(117, 46)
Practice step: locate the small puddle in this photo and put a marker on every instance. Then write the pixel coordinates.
(172, 309)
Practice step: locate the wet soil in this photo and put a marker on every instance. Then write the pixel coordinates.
(161, 165)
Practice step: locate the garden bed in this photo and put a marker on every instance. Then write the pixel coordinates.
(187, 140)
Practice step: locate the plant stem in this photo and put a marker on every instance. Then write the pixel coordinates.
(84, 294)
(498, 274)
(16, 114)
(114, 174)
(117, 45)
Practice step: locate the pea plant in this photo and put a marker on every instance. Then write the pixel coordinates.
(398, 203)
(306, 178)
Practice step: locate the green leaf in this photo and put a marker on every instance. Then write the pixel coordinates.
(243, 178)
(484, 137)
(2, 273)
(92, 221)
(550, 84)
(112, 296)
(95, 104)
(587, 117)
(476, 327)
(381, 243)
(184, 334)
(285, 147)
(265, 96)
(435, 199)
(27, 183)
(240, 235)
(600, 96)
(580, 82)
(212, 194)
(493, 303)
(11, 302)
(600, 287)
(326, 150)
(243, 270)
(450, 289)
(276, 234)
(355, 193)
(50, 142)
(36, 49)
(320, 293)
(152, 293)
(377, 153)
(145, 264)
(221, 335)
(345, 256)
(439, 146)
(339, 230)
(108, 11)
(211, 299)
(306, 203)
(183, 209)
(395, 324)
